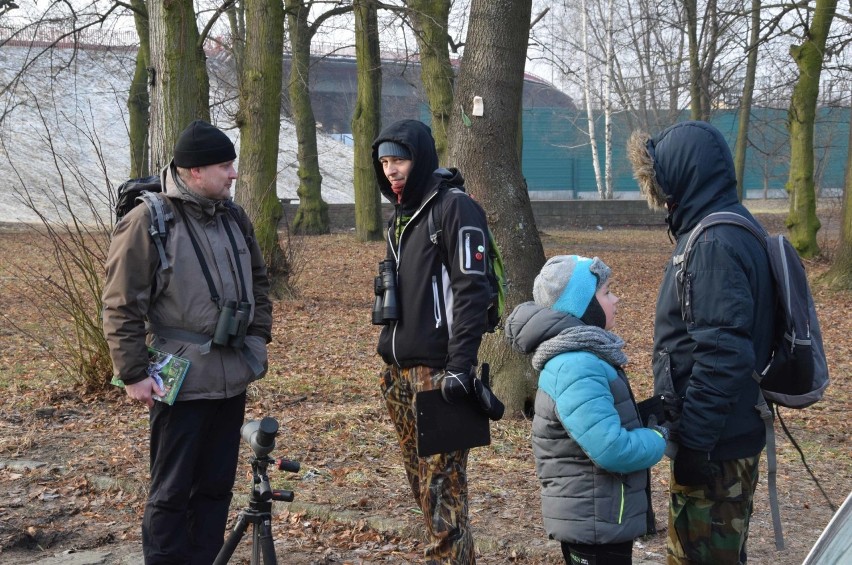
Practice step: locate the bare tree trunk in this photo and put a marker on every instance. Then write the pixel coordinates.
(691, 14)
(366, 120)
(236, 14)
(587, 94)
(610, 57)
(259, 119)
(839, 275)
(429, 19)
(312, 214)
(486, 152)
(137, 99)
(802, 220)
(741, 147)
(180, 88)
(711, 33)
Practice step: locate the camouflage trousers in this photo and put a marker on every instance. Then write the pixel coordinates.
(709, 524)
(438, 482)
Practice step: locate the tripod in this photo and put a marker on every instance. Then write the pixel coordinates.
(258, 514)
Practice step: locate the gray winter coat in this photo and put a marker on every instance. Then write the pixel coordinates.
(592, 454)
(137, 291)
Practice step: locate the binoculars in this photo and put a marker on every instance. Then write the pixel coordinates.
(385, 307)
(232, 324)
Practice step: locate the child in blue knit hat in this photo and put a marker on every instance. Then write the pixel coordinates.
(592, 452)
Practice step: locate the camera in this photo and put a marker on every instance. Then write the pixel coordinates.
(386, 306)
(232, 324)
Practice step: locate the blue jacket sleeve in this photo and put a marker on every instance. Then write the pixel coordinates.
(586, 408)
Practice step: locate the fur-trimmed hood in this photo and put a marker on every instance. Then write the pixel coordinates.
(687, 170)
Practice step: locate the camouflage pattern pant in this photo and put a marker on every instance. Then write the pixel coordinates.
(709, 525)
(439, 482)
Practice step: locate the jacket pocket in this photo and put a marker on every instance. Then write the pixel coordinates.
(610, 494)
(672, 402)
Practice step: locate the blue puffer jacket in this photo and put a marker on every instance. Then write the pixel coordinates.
(592, 453)
(706, 364)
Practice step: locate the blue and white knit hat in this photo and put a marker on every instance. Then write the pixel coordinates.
(568, 283)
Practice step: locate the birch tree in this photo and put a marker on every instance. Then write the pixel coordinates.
(587, 97)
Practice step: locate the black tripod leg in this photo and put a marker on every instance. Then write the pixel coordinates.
(265, 541)
(233, 540)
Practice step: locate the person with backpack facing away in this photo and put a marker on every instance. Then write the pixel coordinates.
(215, 271)
(592, 452)
(714, 326)
(431, 336)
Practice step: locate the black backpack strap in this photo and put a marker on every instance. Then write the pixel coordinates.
(435, 218)
(242, 220)
(681, 260)
(161, 212)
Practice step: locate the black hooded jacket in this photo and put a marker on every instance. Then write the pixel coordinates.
(708, 362)
(443, 308)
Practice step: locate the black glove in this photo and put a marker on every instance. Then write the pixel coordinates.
(488, 403)
(456, 385)
(693, 468)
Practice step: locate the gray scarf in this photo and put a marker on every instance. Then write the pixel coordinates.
(593, 339)
(187, 194)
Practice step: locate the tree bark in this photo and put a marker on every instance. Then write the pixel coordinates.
(259, 120)
(430, 21)
(691, 14)
(366, 120)
(839, 275)
(485, 149)
(312, 214)
(802, 221)
(137, 99)
(741, 147)
(180, 88)
(236, 15)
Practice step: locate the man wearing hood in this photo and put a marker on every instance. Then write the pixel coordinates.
(433, 341)
(714, 325)
(172, 302)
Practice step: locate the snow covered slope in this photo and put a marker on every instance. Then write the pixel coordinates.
(64, 143)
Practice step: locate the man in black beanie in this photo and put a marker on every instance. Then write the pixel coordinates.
(208, 274)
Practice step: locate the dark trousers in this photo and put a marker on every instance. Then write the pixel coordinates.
(603, 554)
(194, 450)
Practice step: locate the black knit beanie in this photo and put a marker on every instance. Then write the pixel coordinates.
(201, 144)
